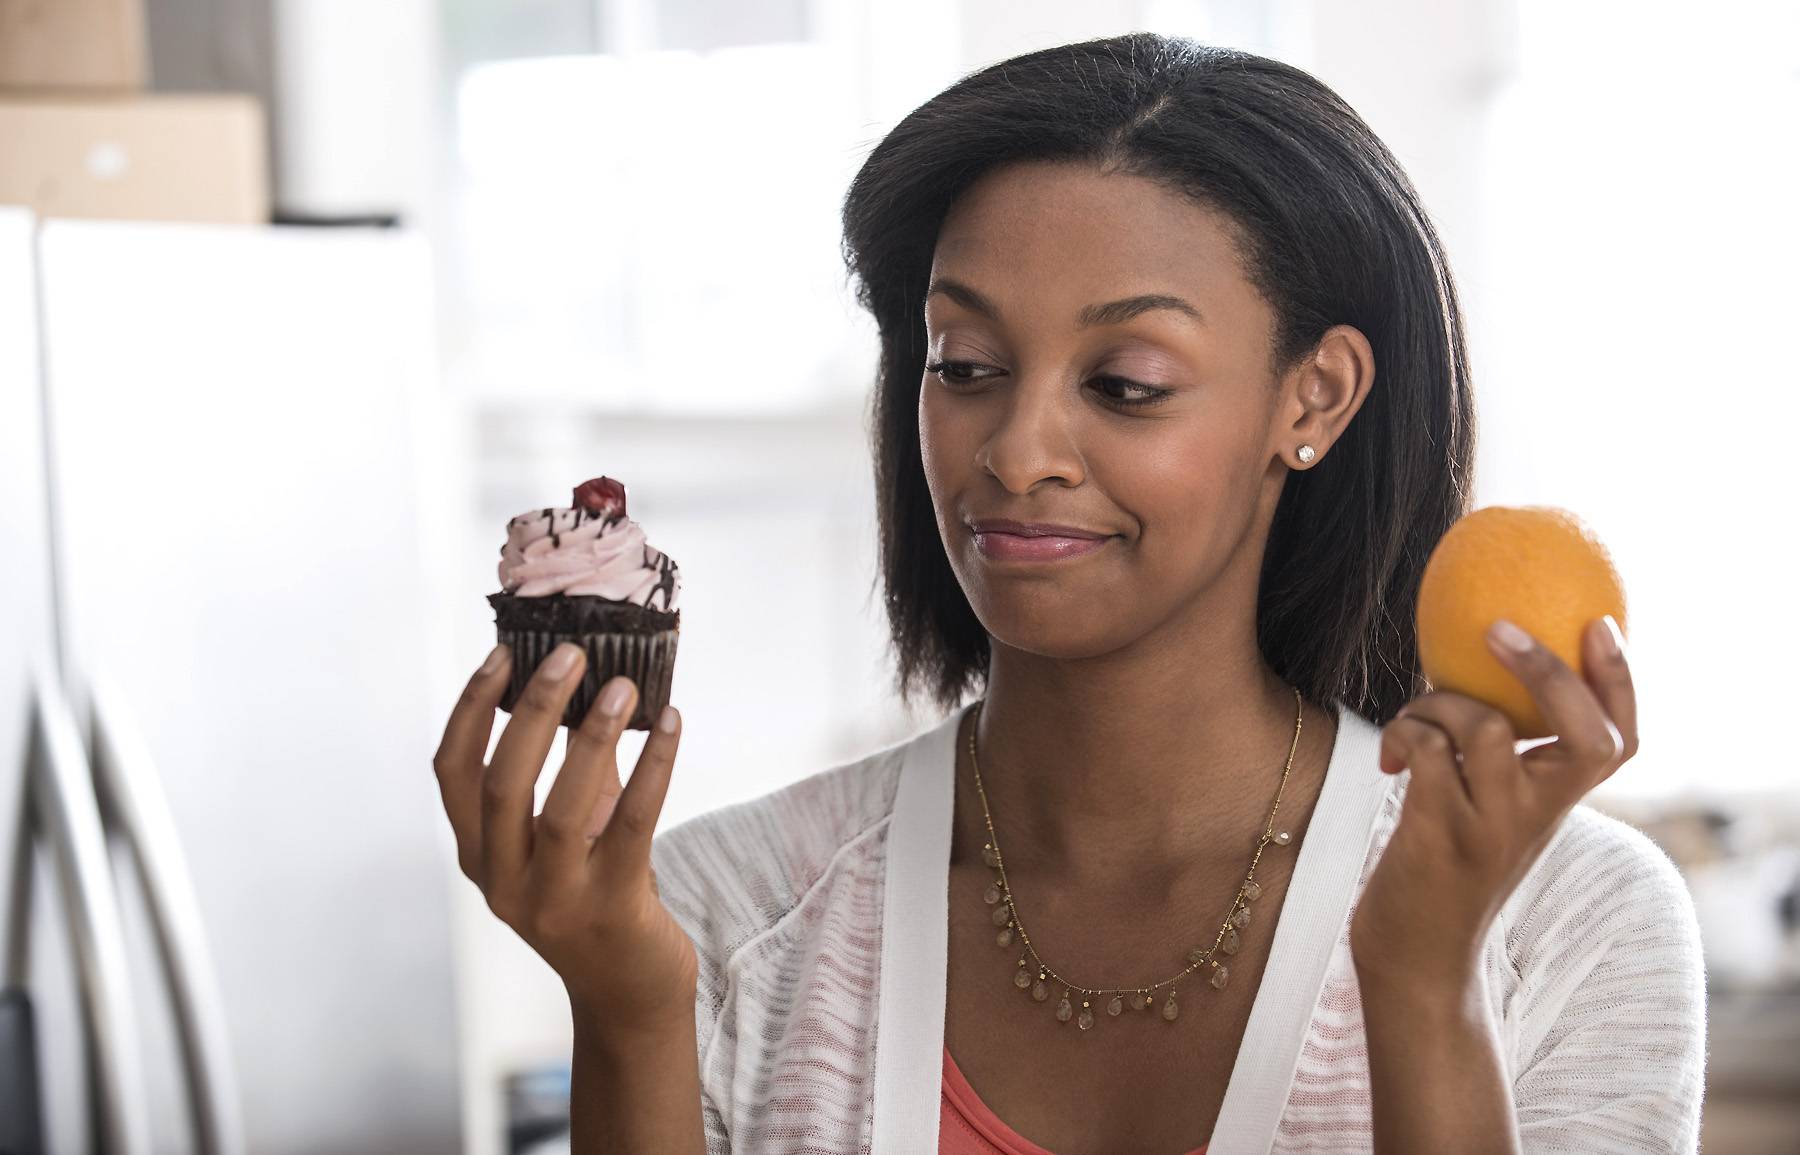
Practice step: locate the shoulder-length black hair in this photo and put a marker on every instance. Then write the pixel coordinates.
(1332, 231)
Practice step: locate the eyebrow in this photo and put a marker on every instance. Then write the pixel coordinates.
(1111, 313)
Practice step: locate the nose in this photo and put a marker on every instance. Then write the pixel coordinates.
(1032, 437)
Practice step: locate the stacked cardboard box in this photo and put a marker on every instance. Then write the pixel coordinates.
(80, 136)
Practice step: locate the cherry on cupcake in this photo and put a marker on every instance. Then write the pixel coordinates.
(602, 496)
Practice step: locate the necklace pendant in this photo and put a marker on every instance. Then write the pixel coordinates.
(1283, 838)
(1002, 915)
(1242, 918)
(990, 856)
(1252, 891)
(1118, 1004)
(1064, 1011)
(993, 894)
(1004, 938)
(1231, 943)
(1170, 1010)
(1022, 979)
(1086, 1019)
(1219, 977)
(1040, 992)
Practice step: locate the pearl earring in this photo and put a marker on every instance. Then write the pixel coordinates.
(1306, 454)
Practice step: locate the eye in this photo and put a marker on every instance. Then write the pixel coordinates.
(951, 372)
(1148, 394)
(957, 373)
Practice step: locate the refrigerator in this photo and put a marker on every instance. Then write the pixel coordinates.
(228, 910)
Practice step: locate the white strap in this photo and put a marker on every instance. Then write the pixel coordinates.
(915, 948)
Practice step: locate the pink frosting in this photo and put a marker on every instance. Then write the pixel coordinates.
(576, 551)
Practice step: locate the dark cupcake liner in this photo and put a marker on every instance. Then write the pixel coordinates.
(648, 659)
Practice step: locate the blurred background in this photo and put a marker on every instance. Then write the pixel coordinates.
(300, 300)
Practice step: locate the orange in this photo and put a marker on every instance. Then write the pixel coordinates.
(1537, 566)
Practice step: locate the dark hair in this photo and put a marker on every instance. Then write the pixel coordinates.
(1331, 231)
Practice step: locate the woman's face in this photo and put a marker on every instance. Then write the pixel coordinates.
(1157, 426)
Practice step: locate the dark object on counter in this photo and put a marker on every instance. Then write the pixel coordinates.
(537, 1106)
(21, 1132)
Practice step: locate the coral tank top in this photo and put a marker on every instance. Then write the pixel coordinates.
(967, 1127)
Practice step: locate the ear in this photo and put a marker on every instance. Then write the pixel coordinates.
(1324, 391)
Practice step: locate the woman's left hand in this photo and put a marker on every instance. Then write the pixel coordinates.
(1468, 833)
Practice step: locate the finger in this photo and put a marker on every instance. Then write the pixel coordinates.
(1585, 736)
(507, 787)
(1608, 672)
(1483, 737)
(582, 797)
(1436, 783)
(625, 843)
(465, 739)
(459, 760)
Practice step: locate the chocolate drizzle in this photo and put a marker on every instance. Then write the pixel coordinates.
(665, 580)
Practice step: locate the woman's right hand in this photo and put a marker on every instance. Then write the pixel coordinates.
(575, 881)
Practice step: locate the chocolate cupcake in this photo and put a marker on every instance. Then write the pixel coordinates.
(585, 574)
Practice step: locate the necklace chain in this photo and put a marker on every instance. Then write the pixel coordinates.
(999, 896)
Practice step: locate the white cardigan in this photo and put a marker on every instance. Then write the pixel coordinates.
(820, 912)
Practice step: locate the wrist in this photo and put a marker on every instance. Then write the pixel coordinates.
(1442, 993)
(1440, 967)
(636, 1086)
(603, 1032)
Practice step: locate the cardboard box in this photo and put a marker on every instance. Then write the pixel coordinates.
(173, 158)
(73, 44)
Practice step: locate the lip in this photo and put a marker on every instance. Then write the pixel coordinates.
(999, 540)
(1033, 528)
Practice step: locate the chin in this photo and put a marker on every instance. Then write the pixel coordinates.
(1048, 629)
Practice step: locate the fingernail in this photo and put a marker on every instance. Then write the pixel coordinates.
(495, 657)
(665, 721)
(1511, 636)
(612, 699)
(560, 661)
(1613, 637)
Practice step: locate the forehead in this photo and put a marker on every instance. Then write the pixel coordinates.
(1063, 234)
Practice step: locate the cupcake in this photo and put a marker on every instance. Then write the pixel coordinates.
(586, 575)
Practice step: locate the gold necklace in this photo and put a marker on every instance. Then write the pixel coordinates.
(999, 895)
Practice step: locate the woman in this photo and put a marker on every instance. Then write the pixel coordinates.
(1172, 406)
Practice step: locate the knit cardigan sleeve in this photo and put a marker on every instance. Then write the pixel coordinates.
(751, 884)
(688, 861)
(1611, 1022)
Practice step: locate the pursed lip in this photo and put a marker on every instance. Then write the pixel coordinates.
(1033, 528)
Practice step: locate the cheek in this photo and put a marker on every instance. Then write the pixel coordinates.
(1181, 488)
(940, 445)
(1167, 469)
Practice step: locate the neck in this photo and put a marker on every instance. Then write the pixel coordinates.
(1152, 763)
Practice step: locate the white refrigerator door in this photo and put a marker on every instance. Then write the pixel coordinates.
(234, 417)
(81, 1086)
(45, 962)
(26, 615)
(25, 610)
